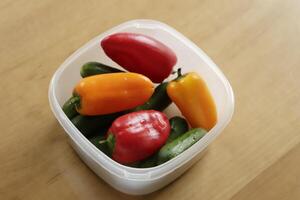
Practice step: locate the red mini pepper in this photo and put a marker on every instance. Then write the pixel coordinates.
(137, 135)
(141, 54)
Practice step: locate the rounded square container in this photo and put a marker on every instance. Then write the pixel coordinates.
(190, 58)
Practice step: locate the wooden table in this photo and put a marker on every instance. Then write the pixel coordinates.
(256, 44)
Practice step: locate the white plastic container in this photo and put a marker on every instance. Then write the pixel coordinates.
(190, 58)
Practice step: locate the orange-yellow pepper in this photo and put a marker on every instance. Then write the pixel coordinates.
(193, 98)
(109, 93)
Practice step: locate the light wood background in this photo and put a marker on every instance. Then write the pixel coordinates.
(256, 44)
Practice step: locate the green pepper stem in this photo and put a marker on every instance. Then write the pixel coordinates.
(70, 105)
(102, 141)
(110, 143)
(75, 99)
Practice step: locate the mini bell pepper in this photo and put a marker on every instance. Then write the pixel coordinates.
(193, 98)
(110, 93)
(141, 54)
(137, 135)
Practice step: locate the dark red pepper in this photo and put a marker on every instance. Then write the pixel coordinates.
(141, 54)
(137, 135)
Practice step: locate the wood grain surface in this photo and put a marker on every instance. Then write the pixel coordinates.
(256, 44)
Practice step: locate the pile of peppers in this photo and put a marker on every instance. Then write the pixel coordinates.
(121, 110)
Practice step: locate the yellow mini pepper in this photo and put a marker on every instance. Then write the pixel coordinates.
(193, 98)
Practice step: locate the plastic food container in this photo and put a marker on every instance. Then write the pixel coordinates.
(130, 180)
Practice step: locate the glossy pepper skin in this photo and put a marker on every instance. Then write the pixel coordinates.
(138, 135)
(141, 54)
(110, 93)
(193, 98)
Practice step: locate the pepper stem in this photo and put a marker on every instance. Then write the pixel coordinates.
(179, 75)
(76, 100)
(110, 141)
(70, 105)
(102, 141)
(179, 72)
